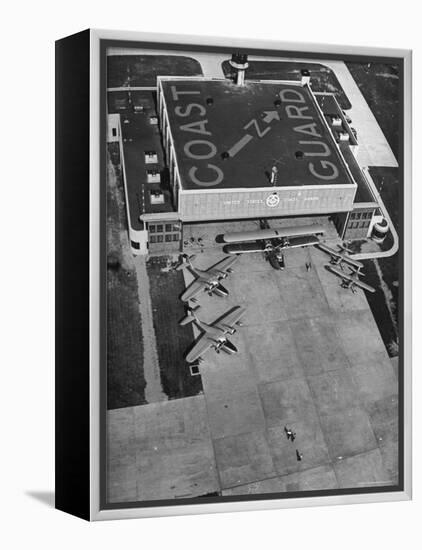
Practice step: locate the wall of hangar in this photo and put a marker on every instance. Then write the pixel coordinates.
(234, 204)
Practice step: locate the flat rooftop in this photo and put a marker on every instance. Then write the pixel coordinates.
(140, 136)
(244, 131)
(330, 107)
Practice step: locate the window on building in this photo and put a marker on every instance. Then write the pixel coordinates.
(168, 227)
(114, 132)
(159, 238)
(135, 245)
(358, 215)
(159, 228)
(153, 239)
(167, 238)
(363, 224)
(151, 228)
(175, 237)
(352, 216)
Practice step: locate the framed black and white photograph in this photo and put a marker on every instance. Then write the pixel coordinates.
(233, 274)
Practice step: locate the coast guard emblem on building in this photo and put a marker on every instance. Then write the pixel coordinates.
(273, 200)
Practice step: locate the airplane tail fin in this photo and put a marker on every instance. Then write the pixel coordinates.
(186, 261)
(190, 316)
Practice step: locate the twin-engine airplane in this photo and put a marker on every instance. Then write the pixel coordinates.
(214, 334)
(272, 241)
(340, 256)
(207, 280)
(350, 280)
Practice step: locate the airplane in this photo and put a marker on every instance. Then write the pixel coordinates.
(272, 241)
(214, 334)
(281, 233)
(207, 280)
(341, 255)
(350, 280)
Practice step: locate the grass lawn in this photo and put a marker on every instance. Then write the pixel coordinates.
(387, 182)
(172, 339)
(378, 301)
(379, 84)
(322, 78)
(142, 70)
(125, 378)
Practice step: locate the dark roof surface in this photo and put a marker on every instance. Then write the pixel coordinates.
(257, 133)
(330, 107)
(138, 136)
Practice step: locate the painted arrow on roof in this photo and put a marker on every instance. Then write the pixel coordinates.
(268, 117)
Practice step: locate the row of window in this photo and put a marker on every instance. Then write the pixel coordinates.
(360, 215)
(164, 238)
(159, 228)
(355, 225)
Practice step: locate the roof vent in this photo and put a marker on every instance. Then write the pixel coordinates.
(153, 176)
(157, 197)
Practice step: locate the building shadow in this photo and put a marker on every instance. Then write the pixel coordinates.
(45, 497)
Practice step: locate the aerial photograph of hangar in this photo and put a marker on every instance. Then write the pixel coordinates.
(252, 275)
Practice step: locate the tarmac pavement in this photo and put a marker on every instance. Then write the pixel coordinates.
(310, 358)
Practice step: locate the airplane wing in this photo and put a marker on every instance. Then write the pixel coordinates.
(351, 262)
(193, 290)
(296, 242)
(341, 255)
(337, 271)
(231, 318)
(347, 277)
(259, 234)
(222, 266)
(329, 250)
(203, 345)
(364, 286)
(243, 248)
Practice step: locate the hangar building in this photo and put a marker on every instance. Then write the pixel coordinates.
(207, 149)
